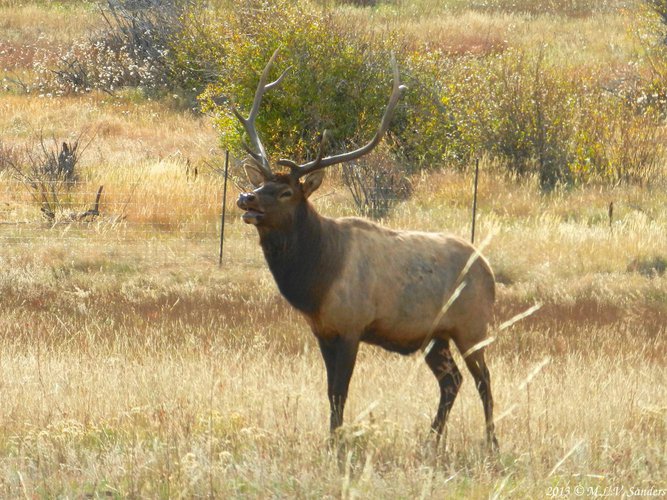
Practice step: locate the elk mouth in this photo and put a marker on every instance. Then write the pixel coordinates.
(252, 216)
(251, 213)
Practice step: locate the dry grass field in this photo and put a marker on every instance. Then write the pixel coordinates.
(131, 365)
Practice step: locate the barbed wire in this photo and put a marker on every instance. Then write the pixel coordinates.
(159, 231)
(172, 251)
(114, 236)
(14, 196)
(185, 177)
(122, 223)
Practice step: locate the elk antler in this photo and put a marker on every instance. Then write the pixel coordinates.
(320, 162)
(257, 152)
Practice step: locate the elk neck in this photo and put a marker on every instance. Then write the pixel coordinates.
(305, 257)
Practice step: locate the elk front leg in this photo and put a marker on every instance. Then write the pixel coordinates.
(339, 356)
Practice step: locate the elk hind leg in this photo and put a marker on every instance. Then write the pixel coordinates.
(441, 363)
(477, 366)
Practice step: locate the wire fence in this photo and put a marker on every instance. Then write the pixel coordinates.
(134, 243)
(177, 220)
(126, 227)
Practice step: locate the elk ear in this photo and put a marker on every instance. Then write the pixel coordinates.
(254, 174)
(312, 181)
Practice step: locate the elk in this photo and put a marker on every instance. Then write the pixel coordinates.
(356, 281)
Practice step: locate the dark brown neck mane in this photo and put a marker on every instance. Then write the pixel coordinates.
(305, 257)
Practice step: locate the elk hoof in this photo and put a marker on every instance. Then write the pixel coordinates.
(492, 444)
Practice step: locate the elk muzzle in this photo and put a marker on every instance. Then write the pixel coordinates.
(249, 203)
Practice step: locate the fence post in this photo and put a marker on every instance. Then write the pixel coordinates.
(224, 207)
(474, 201)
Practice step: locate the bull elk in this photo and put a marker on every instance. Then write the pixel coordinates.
(356, 281)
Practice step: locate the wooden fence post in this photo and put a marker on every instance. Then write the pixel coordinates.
(474, 201)
(224, 207)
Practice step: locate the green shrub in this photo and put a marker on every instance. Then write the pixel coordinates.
(334, 82)
(133, 50)
(197, 49)
(651, 31)
(524, 112)
(555, 122)
(339, 80)
(436, 129)
(527, 117)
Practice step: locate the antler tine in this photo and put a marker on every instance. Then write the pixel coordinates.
(257, 152)
(319, 162)
(295, 167)
(323, 141)
(257, 158)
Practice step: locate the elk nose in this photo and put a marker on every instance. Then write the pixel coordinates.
(245, 199)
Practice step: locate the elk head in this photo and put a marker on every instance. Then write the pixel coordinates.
(277, 196)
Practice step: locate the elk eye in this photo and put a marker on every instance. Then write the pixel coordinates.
(286, 194)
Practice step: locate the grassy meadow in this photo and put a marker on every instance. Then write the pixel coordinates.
(132, 365)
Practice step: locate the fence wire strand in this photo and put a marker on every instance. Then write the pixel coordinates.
(23, 229)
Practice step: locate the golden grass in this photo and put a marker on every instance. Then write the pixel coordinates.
(134, 367)
(137, 128)
(36, 32)
(143, 153)
(602, 40)
(47, 22)
(175, 408)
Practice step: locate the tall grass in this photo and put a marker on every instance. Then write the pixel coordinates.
(187, 382)
(132, 373)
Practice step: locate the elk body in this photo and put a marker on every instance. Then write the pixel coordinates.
(356, 281)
